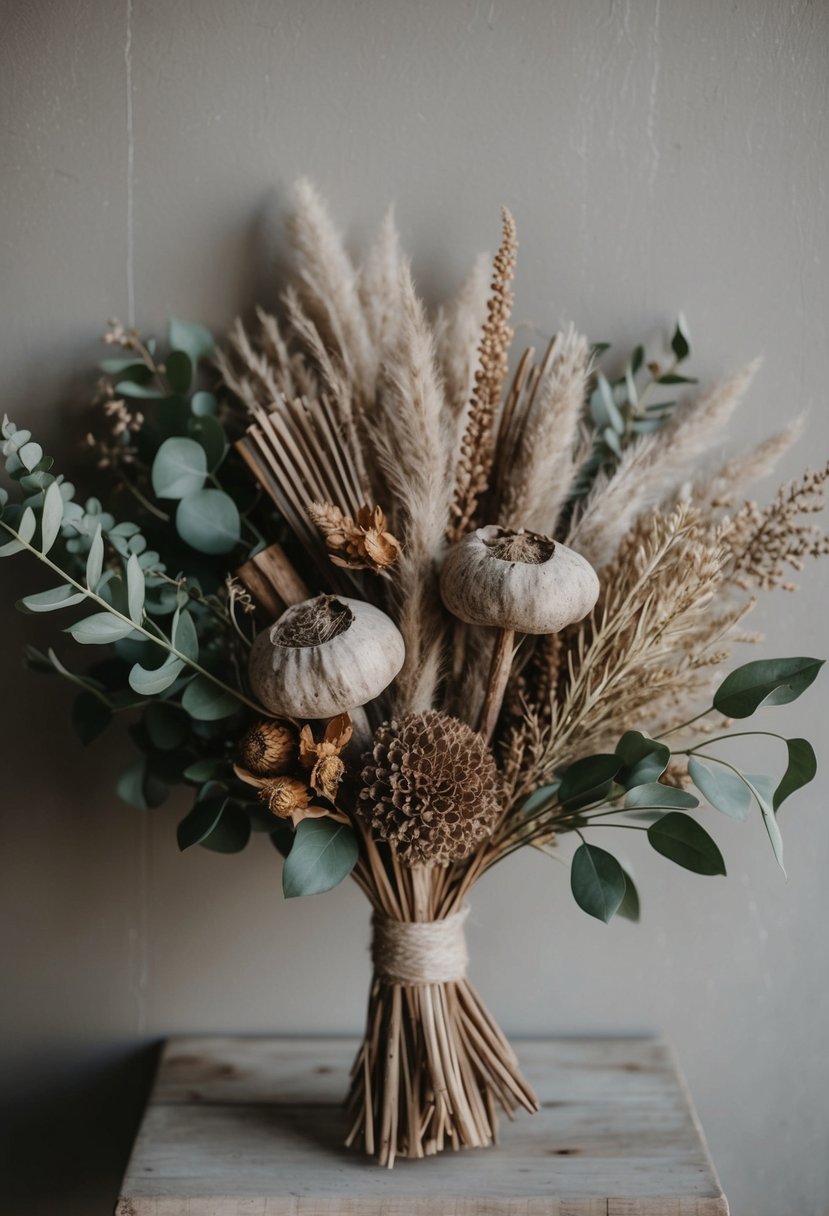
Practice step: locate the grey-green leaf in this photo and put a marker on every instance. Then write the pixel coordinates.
(56, 597)
(654, 795)
(192, 338)
(208, 520)
(95, 560)
(597, 882)
(682, 840)
(722, 788)
(179, 468)
(28, 524)
(629, 908)
(135, 589)
(51, 517)
(100, 629)
(764, 682)
(800, 770)
(149, 683)
(185, 638)
(205, 702)
(323, 854)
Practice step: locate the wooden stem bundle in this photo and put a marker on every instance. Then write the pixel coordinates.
(433, 1067)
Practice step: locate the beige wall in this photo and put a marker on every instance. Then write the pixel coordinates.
(657, 155)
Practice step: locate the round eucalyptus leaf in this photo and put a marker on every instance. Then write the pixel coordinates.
(206, 702)
(209, 519)
(179, 468)
(597, 882)
(682, 840)
(323, 854)
(179, 371)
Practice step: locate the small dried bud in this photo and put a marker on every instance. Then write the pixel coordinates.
(323, 759)
(361, 544)
(287, 798)
(268, 748)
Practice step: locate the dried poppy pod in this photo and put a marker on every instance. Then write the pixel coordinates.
(326, 656)
(520, 582)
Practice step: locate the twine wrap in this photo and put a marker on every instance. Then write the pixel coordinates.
(420, 952)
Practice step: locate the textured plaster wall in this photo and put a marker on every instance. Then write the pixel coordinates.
(657, 154)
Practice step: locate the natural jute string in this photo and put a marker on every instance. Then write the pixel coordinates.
(420, 952)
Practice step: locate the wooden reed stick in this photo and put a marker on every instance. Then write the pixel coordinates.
(273, 582)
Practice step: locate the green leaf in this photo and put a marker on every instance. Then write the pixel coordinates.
(637, 359)
(26, 527)
(129, 388)
(543, 796)
(588, 775)
(137, 786)
(208, 520)
(653, 795)
(645, 759)
(203, 404)
(673, 378)
(100, 629)
(597, 882)
(205, 702)
(135, 589)
(167, 725)
(56, 597)
(150, 682)
(763, 791)
(90, 716)
(179, 468)
(30, 455)
(51, 517)
(764, 682)
(95, 560)
(10, 548)
(179, 371)
(114, 367)
(209, 433)
(801, 769)
(185, 638)
(205, 770)
(682, 840)
(681, 342)
(192, 338)
(323, 854)
(629, 907)
(724, 789)
(200, 822)
(231, 833)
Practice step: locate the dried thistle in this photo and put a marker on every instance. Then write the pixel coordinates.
(323, 758)
(363, 543)
(288, 798)
(472, 475)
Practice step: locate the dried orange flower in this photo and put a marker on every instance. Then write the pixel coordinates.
(323, 759)
(269, 748)
(361, 544)
(288, 798)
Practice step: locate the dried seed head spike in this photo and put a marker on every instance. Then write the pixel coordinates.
(325, 656)
(474, 466)
(430, 788)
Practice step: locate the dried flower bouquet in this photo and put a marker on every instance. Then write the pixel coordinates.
(405, 613)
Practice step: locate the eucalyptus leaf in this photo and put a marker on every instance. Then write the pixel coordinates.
(800, 770)
(150, 682)
(761, 788)
(138, 787)
(208, 520)
(135, 590)
(323, 854)
(209, 432)
(90, 716)
(645, 759)
(231, 833)
(597, 882)
(185, 638)
(682, 840)
(30, 455)
(28, 524)
(129, 388)
(205, 770)
(95, 560)
(200, 822)
(723, 789)
(51, 517)
(192, 338)
(653, 795)
(206, 702)
(179, 371)
(179, 468)
(629, 908)
(588, 775)
(100, 629)
(203, 404)
(56, 597)
(764, 682)
(167, 725)
(681, 342)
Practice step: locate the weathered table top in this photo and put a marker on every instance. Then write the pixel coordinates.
(254, 1127)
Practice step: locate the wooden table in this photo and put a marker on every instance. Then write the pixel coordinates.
(253, 1127)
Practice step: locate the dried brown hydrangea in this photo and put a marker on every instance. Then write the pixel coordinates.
(430, 788)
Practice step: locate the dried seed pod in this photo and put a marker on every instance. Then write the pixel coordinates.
(268, 748)
(323, 758)
(288, 798)
(517, 580)
(325, 656)
(430, 788)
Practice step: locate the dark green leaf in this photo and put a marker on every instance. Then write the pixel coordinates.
(645, 759)
(208, 432)
(637, 359)
(323, 854)
(206, 702)
(139, 788)
(205, 770)
(629, 907)
(801, 769)
(764, 682)
(597, 882)
(673, 378)
(680, 342)
(682, 840)
(90, 716)
(179, 371)
(231, 833)
(724, 789)
(200, 822)
(588, 775)
(167, 725)
(208, 520)
(654, 795)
